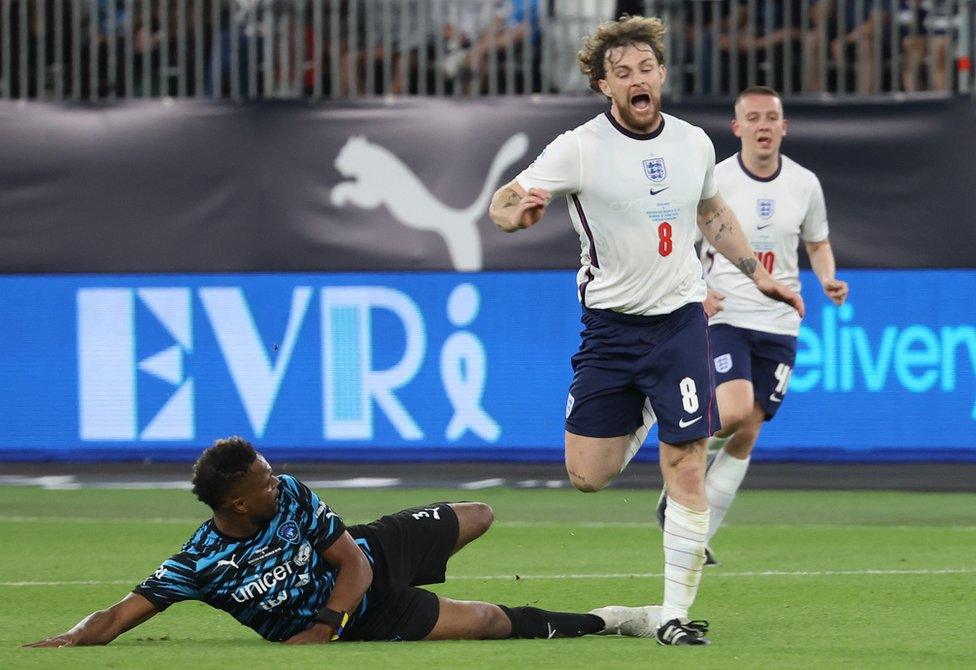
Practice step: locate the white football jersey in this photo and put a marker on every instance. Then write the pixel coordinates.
(775, 213)
(633, 200)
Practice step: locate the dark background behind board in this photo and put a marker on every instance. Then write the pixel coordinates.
(205, 187)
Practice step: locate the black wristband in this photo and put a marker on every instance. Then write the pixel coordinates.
(333, 618)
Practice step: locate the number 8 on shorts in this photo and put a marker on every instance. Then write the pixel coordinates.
(689, 395)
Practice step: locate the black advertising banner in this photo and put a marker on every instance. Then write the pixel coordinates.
(192, 186)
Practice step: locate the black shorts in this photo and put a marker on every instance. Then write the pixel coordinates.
(409, 549)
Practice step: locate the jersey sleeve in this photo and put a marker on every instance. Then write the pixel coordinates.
(172, 582)
(325, 526)
(557, 169)
(814, 226)
(709, 188)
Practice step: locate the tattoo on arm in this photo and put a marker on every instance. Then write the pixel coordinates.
(747, 265)
(713, 216)
(721, 229)
(508, 198)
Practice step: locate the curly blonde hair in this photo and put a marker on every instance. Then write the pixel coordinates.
(625, 31)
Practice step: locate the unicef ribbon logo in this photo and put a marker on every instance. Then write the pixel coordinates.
(464, 370)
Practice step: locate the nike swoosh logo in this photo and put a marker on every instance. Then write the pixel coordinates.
(660, 190)
(684, 424)
(772, 396)
(552, 631)
(761, 227)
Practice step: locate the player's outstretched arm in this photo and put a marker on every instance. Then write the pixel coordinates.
(103, 626)
(513, 208)
(354, 578)
(722, 230)
(822, 261)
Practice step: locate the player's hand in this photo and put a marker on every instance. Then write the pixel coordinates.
(836, 290)
(773, 289)
(531, 208)
(56, 641)
(318, 633)
(713, 303)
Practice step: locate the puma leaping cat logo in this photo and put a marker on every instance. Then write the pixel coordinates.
(232, 561)
(380, 178)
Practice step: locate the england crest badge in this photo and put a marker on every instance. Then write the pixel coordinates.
(723, 363)
(765, 208)
(655, 170)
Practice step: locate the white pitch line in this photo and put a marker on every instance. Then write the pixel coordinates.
(483, 484)
(97, 520)
(570, 525)
(354, 483)
(618, 575)
(791, 526)
(713, 575)
(69, 482)
(77, 582)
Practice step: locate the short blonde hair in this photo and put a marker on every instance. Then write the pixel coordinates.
(625, 31)
(756, 90)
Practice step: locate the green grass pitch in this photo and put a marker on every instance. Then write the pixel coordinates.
(808, 580)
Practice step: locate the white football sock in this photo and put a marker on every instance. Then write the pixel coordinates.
(684, 554)
(721, 484)
(636, 439)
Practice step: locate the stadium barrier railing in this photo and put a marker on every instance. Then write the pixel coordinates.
(313, 49)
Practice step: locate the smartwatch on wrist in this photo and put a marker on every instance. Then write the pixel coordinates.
(334, 618)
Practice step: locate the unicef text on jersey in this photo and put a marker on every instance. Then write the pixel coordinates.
(434, 365)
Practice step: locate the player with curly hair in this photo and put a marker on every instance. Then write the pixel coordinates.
(639, 184)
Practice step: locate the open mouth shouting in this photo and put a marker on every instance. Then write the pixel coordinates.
(640, 101)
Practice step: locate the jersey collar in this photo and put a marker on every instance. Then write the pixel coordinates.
(751, 175)
(630, 133)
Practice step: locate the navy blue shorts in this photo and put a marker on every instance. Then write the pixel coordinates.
(624, 359)
(764, 359)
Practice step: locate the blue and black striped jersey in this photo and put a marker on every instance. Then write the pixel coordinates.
(274, 581)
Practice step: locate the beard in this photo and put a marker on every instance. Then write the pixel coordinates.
(641, 121)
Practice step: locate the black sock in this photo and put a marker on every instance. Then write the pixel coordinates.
(529, 622)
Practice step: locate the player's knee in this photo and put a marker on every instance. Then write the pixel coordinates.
(685, 470)
(474, 519)
(482, 516)
(484, 621)
(495, 624)
(588, 483)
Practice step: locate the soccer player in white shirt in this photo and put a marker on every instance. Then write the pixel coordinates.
(778, 202)
(639, 185)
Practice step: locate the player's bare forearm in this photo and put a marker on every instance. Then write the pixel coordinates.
(822, 261)
(103, 626)
(350, 586)
(721, 228)
(95, 629)
(352, 581)
(513, 208)
(502, 208)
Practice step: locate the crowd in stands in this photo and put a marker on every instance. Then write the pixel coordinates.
(341, 48)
